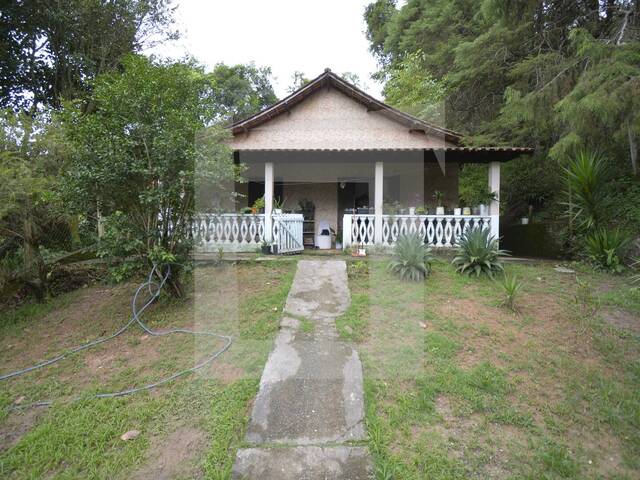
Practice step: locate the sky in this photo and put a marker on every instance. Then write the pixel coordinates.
(286, 35)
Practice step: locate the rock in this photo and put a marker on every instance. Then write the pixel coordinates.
(560, 269)
(423, 325)
(130, 435)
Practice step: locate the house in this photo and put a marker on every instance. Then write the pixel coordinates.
(367, 168)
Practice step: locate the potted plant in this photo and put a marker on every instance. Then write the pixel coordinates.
(308, 208)
(246, 210)
(258, 205)
(457, 211)
(339, 241)
(437, 195)
(277, 206)
(466, 211)
(265, 248)
(485, 198)
(422, 210)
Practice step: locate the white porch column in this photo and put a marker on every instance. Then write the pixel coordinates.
(268, 201)
(494, 207)
(378, 193)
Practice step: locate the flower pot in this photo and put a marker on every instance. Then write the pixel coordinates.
(277, 211)
(457, 211)
(274, 249)
(466, 211)
(338, 246)
(524, 220)
(363, 211)
(439, 210)
(483, 210)
(265, 249)
(412, 210)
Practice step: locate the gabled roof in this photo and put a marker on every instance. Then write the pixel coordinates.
(330, 79)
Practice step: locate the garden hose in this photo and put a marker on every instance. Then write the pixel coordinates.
(154, 290)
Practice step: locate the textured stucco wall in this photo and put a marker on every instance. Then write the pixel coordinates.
(330, 119)
(323, 195)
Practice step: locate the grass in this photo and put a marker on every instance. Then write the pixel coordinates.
(82, 439)
(457, 387)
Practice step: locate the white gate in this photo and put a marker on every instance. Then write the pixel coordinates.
(287, 232)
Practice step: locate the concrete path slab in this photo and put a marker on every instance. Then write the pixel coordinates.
(311, 392)
(304, 463)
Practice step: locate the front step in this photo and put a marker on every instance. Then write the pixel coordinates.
(303, 463)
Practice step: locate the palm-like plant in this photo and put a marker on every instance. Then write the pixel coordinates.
(478, 253)
(511, 287)
(585, 176)
(606, 248)
(412, 258)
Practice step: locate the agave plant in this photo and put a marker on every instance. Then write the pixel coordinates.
(511, 287)
(478, 253)
(606, 248)
(412, 258)
(585, 182)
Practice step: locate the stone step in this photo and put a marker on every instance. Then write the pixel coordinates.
(303, 463)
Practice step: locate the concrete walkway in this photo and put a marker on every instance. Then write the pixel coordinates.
(310, 406)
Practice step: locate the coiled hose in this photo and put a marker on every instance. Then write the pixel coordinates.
(154, 288)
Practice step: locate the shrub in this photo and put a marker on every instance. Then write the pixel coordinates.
(412, 258)
(511, 287)
(605, 248)
(636, 278)
(478, 253)
(585, 188)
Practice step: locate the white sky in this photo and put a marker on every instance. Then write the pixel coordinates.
(287, 35)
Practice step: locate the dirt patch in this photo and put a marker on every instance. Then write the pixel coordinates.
(17, 425)
(174, 455)
(620, 318)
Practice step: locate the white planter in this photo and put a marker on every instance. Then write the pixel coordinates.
(524, 220)
(412, 210)
(439, 210)
(277, 211)
(484, 211)
(457, 211)
(338, 246)
(466, 211)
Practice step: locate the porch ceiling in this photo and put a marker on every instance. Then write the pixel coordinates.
(452, 154)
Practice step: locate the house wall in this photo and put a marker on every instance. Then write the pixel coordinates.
(323, 195)
(329, 119)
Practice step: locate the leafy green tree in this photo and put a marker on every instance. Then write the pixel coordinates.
(141, 154)
(31, 155)
(298, 80)
(556, 75)
(241, 90)
(52, 49)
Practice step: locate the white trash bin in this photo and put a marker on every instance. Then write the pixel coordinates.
(323, 238)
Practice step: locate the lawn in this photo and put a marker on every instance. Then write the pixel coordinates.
(188, 428)
(460, 387)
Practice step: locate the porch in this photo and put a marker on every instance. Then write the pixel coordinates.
(365, 198)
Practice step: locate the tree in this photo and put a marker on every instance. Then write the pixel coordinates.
(31, 154)
(241, 90)
(559, 76)
(298, 80)
(143, 151)
(53, 49)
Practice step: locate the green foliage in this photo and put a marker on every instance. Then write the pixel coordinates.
(511, 288)
(559, 77)
(606, 248)
(145, 157)
(477, 253)
(240, 90)
(585, 182)
(412, 89)
(53, 50)
(412, 258)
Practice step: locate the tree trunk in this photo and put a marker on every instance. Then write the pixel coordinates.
(35, 270)
(633, 149)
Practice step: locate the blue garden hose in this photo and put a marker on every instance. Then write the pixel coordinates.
(154, 290)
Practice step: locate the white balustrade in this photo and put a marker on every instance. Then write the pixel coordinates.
(235, 232)
(229, 231)
(435, 230)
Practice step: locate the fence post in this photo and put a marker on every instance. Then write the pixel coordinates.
(346, 230)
